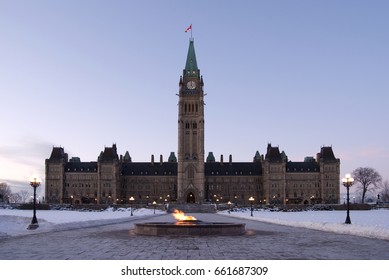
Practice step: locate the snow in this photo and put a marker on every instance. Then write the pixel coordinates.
(13, 222)
(367, 223)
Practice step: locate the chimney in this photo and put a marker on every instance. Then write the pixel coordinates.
(221, 159)
(230, 160)
(161, 159)
(152, 159)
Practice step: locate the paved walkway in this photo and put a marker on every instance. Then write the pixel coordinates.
(262, 241)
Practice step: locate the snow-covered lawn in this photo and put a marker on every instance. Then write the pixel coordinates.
(370, 223)
(14, 222)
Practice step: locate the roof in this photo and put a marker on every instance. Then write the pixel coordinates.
(73, 166)
(210, 157)
(127, 157)
(233, 168)
(109, 154)
(308, 166)
(172, 157)
(58, 154)
(273, 153)
(191, 68)
(257, 157)
(327, 154)
(149, 169)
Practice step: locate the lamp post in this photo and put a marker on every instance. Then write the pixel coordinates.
(34, 222)
(229, 207)
(154, 204)
(131, 202)
(251, 199)
(348, 181)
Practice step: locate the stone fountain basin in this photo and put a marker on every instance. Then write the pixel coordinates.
(188, 228)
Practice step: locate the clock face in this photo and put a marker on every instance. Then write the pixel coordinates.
(191, 85)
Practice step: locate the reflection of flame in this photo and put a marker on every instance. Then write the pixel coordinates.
(180, 216)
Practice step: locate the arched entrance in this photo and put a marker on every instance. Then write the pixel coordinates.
(190, 198)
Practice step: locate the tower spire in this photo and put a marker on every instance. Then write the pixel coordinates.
(191, 69)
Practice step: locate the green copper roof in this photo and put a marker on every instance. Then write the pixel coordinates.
(191, 68)
(210, 157)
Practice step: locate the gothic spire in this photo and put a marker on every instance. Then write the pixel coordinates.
(191, 69)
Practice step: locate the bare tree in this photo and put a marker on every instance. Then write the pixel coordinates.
(24, 195)
(5, 192)
(15, 198)
(384, 191)
(366, 177)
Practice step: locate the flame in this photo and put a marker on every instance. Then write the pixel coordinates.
(180, 216)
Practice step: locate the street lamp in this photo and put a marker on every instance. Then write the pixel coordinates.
(154, 204)
(34, 222)
(229, 207)
(131, 202)
(251, 199)
(348, 181)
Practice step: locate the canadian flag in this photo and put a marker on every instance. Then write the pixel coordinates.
(189, 28)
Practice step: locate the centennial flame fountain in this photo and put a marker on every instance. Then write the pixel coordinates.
(188, 225)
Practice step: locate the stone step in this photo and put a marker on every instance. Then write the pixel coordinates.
(192, 208)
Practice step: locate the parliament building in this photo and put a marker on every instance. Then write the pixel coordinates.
(190, 176)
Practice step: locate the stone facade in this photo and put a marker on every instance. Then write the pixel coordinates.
(190, 178)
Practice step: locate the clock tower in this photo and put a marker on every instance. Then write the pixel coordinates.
(190, 181)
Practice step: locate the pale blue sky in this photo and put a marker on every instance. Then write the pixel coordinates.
(298, 74)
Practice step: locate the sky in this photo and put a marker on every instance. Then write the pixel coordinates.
(299, 74)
